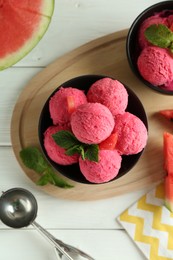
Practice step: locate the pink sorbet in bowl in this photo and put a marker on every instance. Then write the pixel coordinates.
(59, 104)
(92, 123)
(110, 93)
(132, 134)
(54, 151)
(156, 65)
(105, 170)
(148, 48)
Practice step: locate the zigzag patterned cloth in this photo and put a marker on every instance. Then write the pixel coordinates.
(150, 224)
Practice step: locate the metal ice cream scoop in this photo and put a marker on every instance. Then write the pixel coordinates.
(18, 208)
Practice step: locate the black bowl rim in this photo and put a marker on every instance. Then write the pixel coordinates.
(40, 134)
(135, 25)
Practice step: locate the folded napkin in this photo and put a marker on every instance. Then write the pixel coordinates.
(150, 224)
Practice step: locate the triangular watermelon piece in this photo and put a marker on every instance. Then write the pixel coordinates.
(169, 193)
(167, 113)
(168, 165)
(109, 143)
(22, 25)
(168, 153)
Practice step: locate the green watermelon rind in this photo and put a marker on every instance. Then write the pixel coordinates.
(48, 9)
(169, 204)
(14, 57)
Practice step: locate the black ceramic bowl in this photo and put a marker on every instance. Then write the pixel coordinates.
(84, 82)
(132, 47)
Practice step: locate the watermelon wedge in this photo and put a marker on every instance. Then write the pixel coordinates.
(109, 143)
(22, 25)
(167, 113)
(169, 193)
(168, 166)
(168, 153)
(70, 104)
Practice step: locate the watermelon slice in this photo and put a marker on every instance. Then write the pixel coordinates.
(168, 165)
(167, 113)
(22, 25)
(169, 193)
(70, 104)
(168, 153)
(109, 143)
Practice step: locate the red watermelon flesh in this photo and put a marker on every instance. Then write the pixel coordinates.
(168, 153)
(167, 113)
(168, 165)
(36, 6)
(22, 25)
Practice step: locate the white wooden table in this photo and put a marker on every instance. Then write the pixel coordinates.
(89, 225)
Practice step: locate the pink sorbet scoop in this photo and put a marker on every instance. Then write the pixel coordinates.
(92, 123)
(103, 171)
(54, 151)
(59, 106)
(110, 93)
(132, 134)
(155, 19)
(156, 65)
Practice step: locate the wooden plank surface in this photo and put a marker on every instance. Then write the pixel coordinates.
(105, 56)
(102, 245)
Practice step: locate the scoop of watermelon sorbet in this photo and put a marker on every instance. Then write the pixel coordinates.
(132, 134)
(54, 151)
(103, 171)
(155, 19)
(92, 123)
(110, 93)
(59, 106)
(155, 65)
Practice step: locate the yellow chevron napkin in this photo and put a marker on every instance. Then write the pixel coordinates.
(150, 224)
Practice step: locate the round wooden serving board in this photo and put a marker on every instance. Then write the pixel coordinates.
(107, 56)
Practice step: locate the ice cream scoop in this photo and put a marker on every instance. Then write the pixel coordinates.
(132, 134)
(18, 208)
(92, 123)
(155, 65)
(154, 19)
(104, 170)
(54, 151)
(59, 105)
(111, 93)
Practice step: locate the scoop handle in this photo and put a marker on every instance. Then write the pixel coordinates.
(51, 239)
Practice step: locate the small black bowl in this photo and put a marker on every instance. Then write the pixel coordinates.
(83, 83)
(132, 47)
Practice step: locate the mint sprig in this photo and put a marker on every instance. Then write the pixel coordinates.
(33, 159)
(160, 35)
(72, 145)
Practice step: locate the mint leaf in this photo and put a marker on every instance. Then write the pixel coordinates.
(72, 145)
(52, 178)
(57, 181)
(65, 139)
(171, 47)
(44, 179)
(159, 35)
(92, 152)
(83, 153)
(33, 159)
(73, 150)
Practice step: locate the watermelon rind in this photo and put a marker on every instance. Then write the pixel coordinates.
(48, 8)
(169, 204)
(45, 19)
